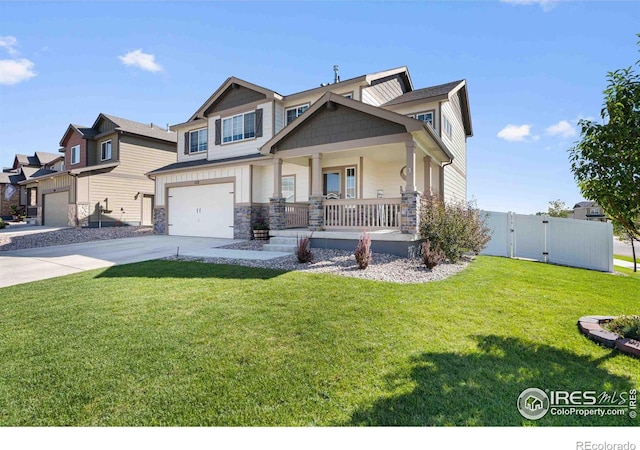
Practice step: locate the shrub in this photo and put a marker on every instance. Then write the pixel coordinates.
(626, 326)
(2, 224)
(431, 254)
(303, 250)
(363, 251)
(453, 227)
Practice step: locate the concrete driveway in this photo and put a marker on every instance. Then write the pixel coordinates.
(23, 266)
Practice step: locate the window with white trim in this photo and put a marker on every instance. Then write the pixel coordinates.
(349, 95)
(198, 141)
(105, 150)
(350, 182)
(75, 154)
(446, 127)
(426, 117)
(289, 188)
(238, 128)
(292, 113)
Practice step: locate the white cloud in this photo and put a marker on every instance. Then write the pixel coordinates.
(515, 133)
(13, 71)
(9, 43)
(563, 129)
(144, 61)
(546, 5)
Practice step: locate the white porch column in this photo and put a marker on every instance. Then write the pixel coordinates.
(316, 175)
(277, 178)
(411, 166)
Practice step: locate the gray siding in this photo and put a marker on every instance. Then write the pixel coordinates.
(106, 125)
(234, 97)
(338, 125)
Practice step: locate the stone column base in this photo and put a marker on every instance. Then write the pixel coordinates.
(316, 213)
(410, 212)
(277, 215)
(159, 221)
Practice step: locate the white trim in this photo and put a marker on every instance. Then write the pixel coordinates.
(298, 112)
(432, 112)
(191, 140)
(71, 163)
(232, 141)
(447, 128)
(110, 149)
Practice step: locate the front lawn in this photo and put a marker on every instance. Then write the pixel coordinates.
(177, 343)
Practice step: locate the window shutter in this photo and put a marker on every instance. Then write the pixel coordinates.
(186, 143)
(218, 132)
(259, 122)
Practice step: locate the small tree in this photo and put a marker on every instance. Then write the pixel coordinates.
(454, 227)
(606, 161)
(558, 208)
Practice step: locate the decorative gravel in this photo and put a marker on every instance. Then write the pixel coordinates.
(69, 236)
(383, 267)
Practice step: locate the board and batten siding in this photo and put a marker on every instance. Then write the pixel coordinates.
(244, 147)
(263, 182)
(455, 179)
(279, 117)
(242, 175)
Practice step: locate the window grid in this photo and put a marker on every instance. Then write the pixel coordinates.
(238, 128)
(293, 113)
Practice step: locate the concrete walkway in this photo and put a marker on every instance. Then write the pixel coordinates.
(23, 266)
(627, 264)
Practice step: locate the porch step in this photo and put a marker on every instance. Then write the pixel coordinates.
(282, 244)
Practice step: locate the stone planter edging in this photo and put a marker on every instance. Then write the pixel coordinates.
(591, 327)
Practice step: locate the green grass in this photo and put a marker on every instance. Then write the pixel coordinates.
(176, 343)
(625, 258)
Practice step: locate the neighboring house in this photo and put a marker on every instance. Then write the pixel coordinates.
(588, 211)
(352, 155)
(25, 167)
(103, 182)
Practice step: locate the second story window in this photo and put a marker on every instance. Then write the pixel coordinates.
(198, 141)
(426, 117)
(105, 150)
(446, 127)
(237, 128)
(292, 113)
(75, 154)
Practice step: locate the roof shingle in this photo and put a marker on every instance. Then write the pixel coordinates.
(425, 93)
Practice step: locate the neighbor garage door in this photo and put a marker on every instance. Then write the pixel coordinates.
(205, 210)
(56, 209)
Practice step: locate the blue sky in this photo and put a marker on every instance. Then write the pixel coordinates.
(533, 69)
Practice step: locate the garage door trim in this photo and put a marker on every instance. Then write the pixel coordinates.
(64, 190)
(205, 181)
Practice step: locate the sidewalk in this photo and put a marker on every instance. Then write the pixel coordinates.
(621, 263)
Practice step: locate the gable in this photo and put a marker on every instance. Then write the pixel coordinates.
(235, 95)
(337, 123)
(71, 133)
(104, 125)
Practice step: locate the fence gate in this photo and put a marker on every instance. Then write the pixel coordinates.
(569, 242)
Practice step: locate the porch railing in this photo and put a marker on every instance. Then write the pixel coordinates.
(362, 213)
(296, 215)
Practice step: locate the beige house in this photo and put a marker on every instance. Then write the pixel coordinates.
(103, 181)
(351, 155)
(588, 211)
(24, 167)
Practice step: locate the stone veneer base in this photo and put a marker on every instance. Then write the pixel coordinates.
(591, 327)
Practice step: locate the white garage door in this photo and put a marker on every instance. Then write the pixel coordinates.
(56, 209)
(205, 211)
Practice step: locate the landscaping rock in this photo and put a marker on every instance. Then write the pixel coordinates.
(585, 327)
(588, 319)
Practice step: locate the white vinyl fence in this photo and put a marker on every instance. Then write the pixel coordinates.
(569, 242)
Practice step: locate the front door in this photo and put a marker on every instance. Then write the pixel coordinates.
(331, 185)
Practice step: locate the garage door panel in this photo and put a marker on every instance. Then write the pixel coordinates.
(56, 209)
(205, 210)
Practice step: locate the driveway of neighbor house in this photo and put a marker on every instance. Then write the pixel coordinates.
(23, 266)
